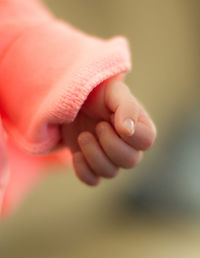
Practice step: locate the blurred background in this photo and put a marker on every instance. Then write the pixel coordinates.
(154, 210)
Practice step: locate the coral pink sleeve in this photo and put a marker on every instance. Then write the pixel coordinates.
(3, 165)
(47, 70)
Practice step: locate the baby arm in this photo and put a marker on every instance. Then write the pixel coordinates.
(47, 70)
(111, 131)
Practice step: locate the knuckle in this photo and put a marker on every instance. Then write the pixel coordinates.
(84, 138)
(83, 178)
(111, 173)
(131, 160)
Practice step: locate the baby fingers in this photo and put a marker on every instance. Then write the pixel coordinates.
(83, 171)
(119, 152)
(95, 157)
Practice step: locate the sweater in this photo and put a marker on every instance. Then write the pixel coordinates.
(47, 70)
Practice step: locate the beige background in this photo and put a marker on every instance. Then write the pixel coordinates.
(63, 218)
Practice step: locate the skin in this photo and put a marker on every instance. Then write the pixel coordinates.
(99, 142)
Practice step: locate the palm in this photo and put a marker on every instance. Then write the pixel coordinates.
(92, 112)
(71, 131)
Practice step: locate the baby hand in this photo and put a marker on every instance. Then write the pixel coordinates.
(110, 131)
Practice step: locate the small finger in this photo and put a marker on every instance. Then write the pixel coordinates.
(82, 170)
(95, 156)
(119, 152)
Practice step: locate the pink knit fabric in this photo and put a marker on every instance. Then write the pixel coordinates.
(3, 166)
(47, 70)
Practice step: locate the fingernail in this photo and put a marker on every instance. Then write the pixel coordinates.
(129, 126)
